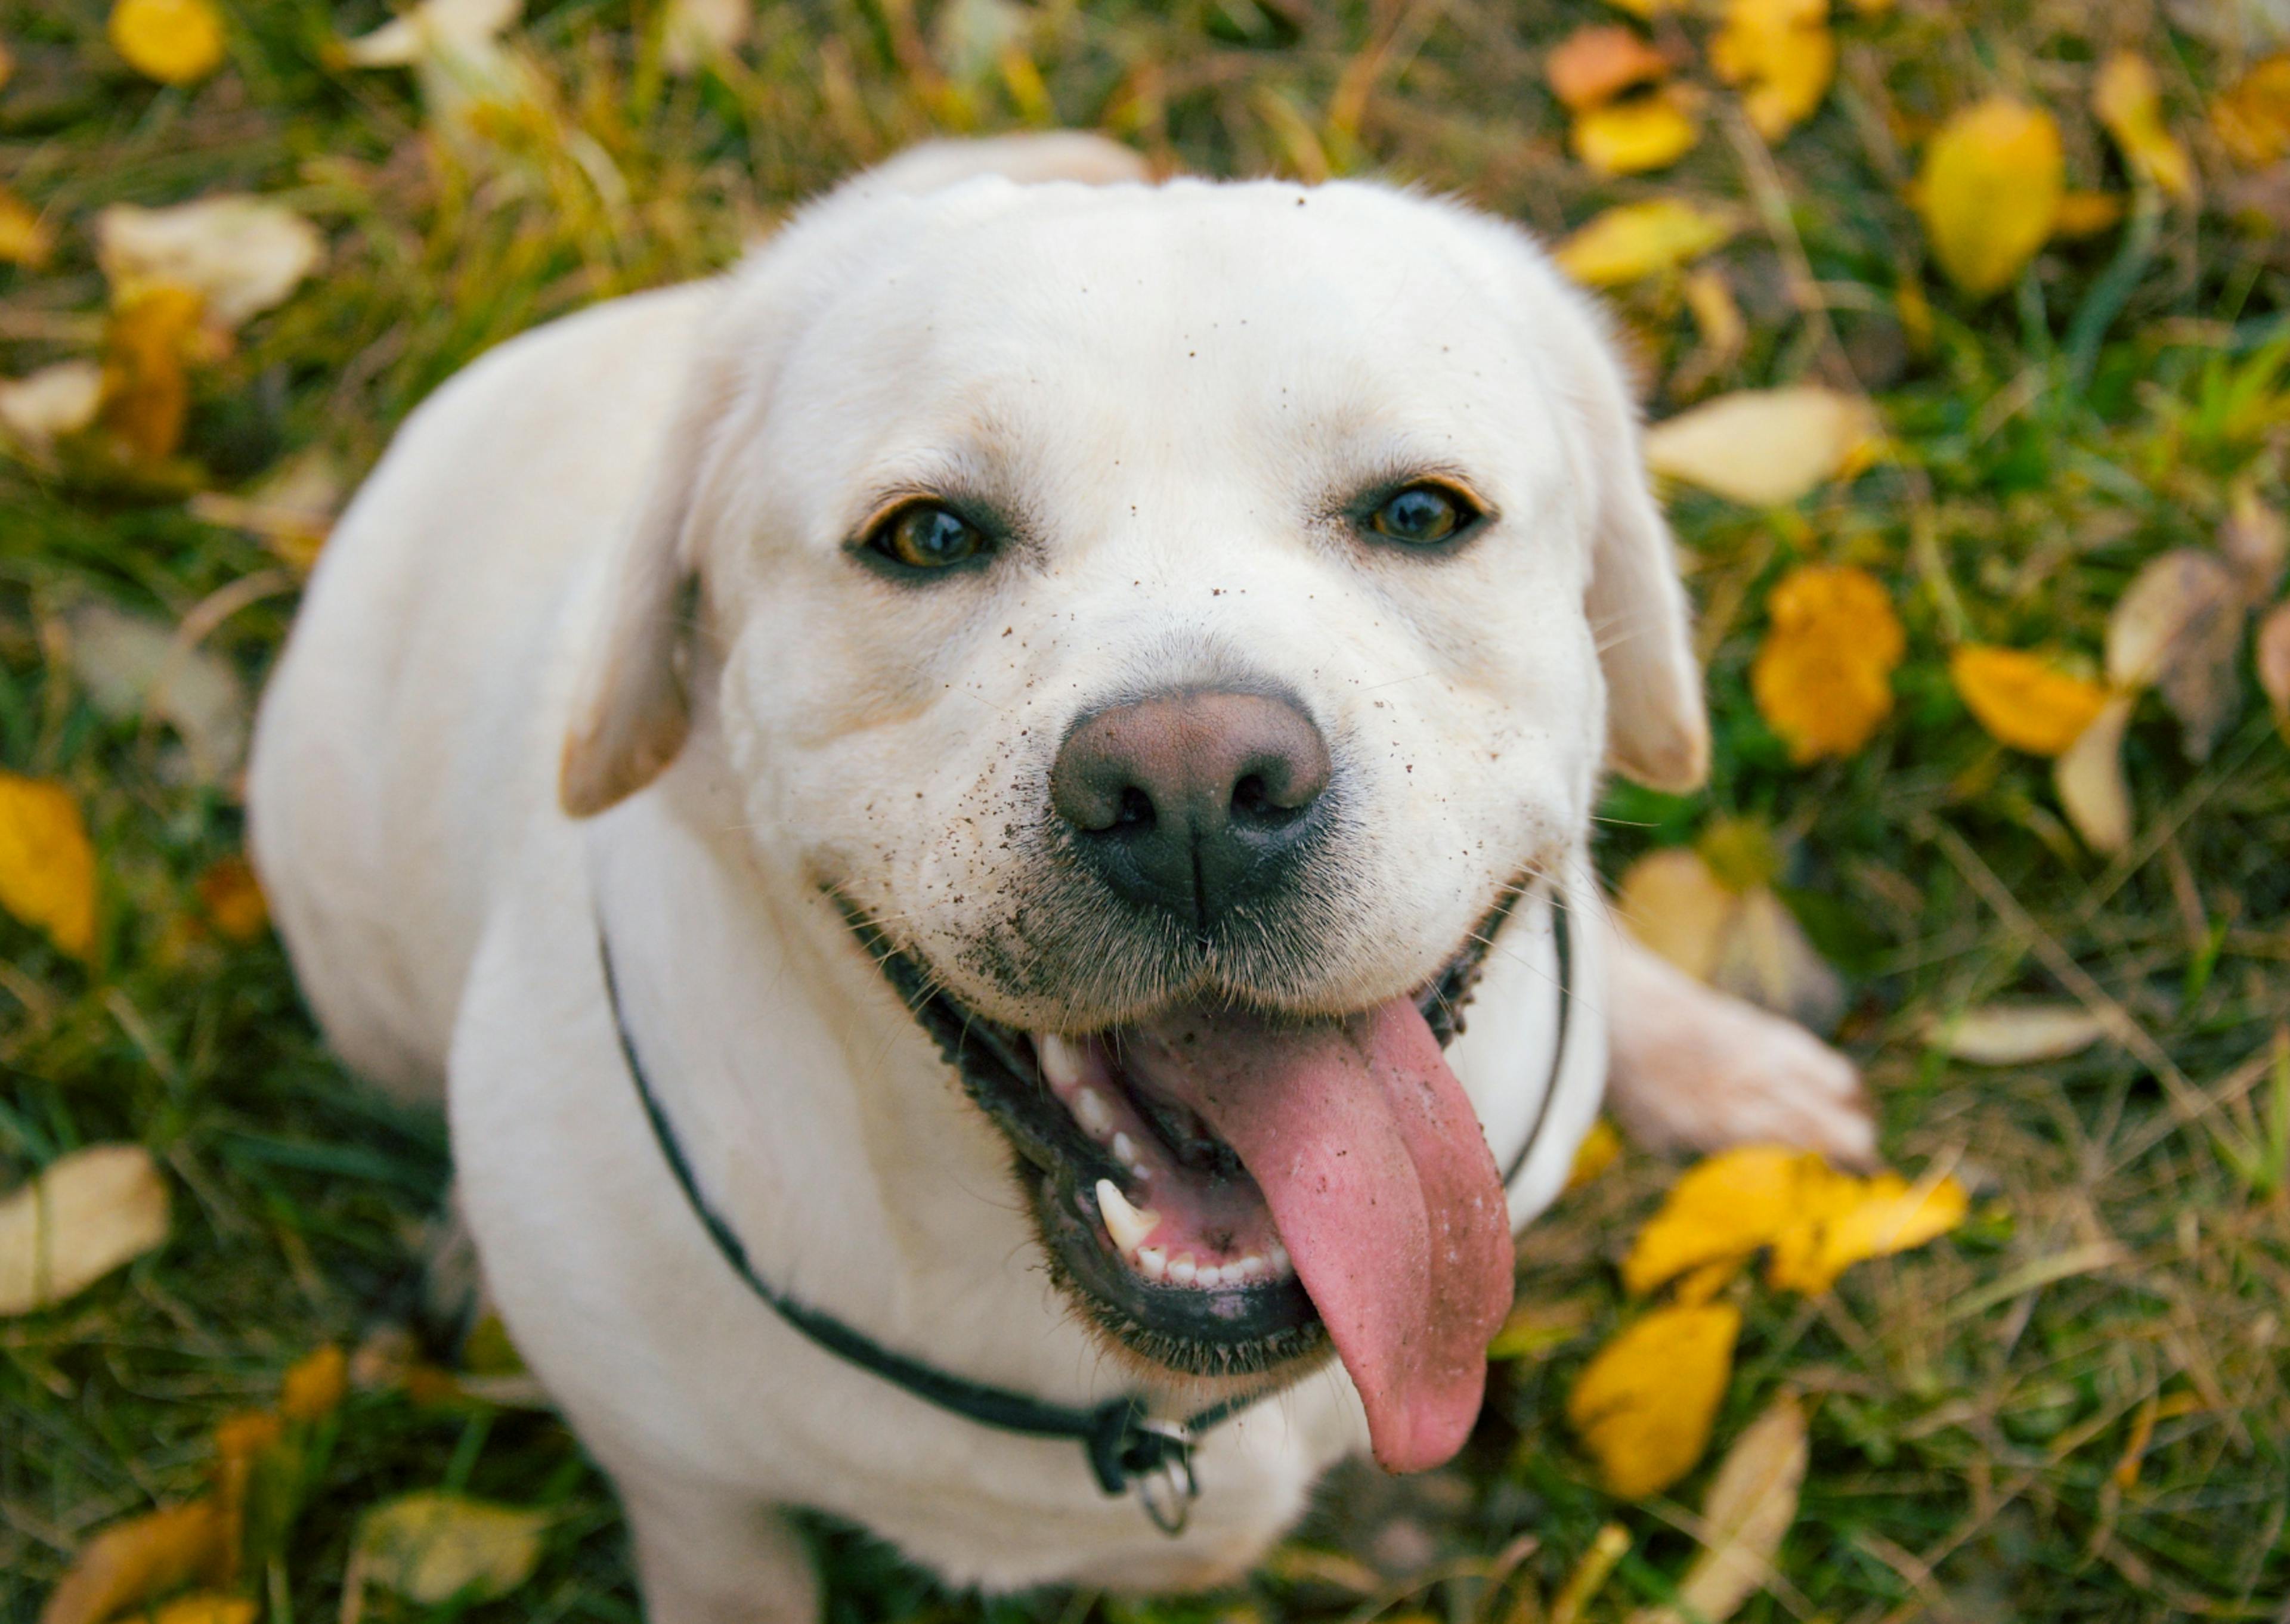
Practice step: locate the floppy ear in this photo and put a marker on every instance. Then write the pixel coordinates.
(1657, 728)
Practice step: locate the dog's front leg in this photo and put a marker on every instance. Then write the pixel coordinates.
(1693, 1068)
(708, 1554)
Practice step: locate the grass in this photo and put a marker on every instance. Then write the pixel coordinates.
(1975, 1404)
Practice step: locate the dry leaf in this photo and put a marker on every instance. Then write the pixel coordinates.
(133, 1561)
(52, 403)
(24, 238)
(1783, 56)
(1989, 191)
(1860, 1219)
(1674, 903)
(2252, 120)
(82, 1216)
(2022, 699)
(1725, 334)
(2253, 540)
(1639, 133)
(459, 27)
(695, 32)
(2178, 625)
(1643, 239)
(2125, 100)
(2083, 214)
(1595, 64)
(1722, 1209)
(233, 899)
(291, 509)
(1538, 1327)
(206, 1607)
(1741, 941)
(2273, 659)
(153, 337)
(242, 254)
(433, 1547)
(1766, 447)
(176, 42)
(133, 665)
(1751, 1504)
(1823, 677)
(314, 1388)
(2016, 1034)
(47, 864)
(2088, 779)
(1644, 1404)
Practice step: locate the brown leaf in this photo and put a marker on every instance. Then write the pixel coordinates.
(1989, 192)
(1596, 63)
(138, 1559)
(233, 899)
(1750, 1507)
(2273, 659)
(2178, 625)
(2253, 540)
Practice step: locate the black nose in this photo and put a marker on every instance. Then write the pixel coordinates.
(1191, 802)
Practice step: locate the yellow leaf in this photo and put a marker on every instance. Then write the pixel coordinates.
(1644, 1404)
(1853, 1218)
(1642, 239)
(2088, 779)
(24, 238)
(433, 1547)
(1643, 132)
(2083, 214)
(2252, 120)
(1723, 1208)
(1600, 1149)
(1674, 903)
(1823, 677)
(1783, 54)
(1595, 64)
(1751, 1503)
(133, 1561)
(47, 865)
(314, 1387)
(176, 42)
(206, 1607)
(1764, 447)
(83, 1216)
(2126, 100)
(1989, 192)
(2022, 699)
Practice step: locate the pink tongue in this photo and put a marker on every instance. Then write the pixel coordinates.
(1387, 1197)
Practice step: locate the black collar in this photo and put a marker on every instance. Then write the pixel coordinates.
(1127, 1447)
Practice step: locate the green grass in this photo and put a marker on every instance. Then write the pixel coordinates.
(1970, 1402)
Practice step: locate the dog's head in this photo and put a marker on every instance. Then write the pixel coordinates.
(1174, 623)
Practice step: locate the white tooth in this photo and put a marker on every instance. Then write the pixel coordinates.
(1126, 1224)
(1090, 1111)
(1248, 1267)
(1211, 1276)
(1152, 1262)
(1060, 1060)
(1281, 1264)
(1184, 1270)
(1125, 1150)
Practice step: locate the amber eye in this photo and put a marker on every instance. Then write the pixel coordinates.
(925, 536)
(1422, 514)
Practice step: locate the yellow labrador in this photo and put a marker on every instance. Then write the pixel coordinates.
(984, 823)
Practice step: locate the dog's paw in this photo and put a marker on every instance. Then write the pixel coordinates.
(1711, 1071)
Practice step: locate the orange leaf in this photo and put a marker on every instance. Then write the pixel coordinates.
(47, 865)
(138, 1560)
(147, 393)
(1594, 65)
(2253, 119)
(314, 1387)
(1823, 677)
(233, 899)
(2022, 699)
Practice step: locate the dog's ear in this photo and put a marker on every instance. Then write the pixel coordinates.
(1657, 727)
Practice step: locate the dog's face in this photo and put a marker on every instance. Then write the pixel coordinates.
(1169, 622)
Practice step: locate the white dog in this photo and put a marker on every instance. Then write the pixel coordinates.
(936, 803)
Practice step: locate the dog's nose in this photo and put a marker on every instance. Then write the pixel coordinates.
(1190, 800)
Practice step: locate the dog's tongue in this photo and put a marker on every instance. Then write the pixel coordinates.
(1387, 1197)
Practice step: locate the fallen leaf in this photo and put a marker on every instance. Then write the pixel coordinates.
(2178, 626)
(1766, 447)
(1781, 54)
(291, 510)
(1643, 239)
(1644, 1404)
(153, 339)
(133, 1561)
(47, 864)
(1673, 903)
(1765, 957)
(134, 666)
(2083, 214)
(2016, 1034)
(1723, 1208)
(176, 42)
(2253, 540)
(1596, 63)
(2273, 659)
(206, 1607)
(1750, 1507)
(24, 238)
(1637, 134)
(1823, 677)
(2088, 779)
(1717, 317)
(1989, 191)
(2126, 98)
(242, 254)
(434, 1547)
(693, 32)
(1860, 1219)
(52, 403)
(2022, 699)
(314, 1388)
(1601, 1149)
(233, 899)
(79, 1218)
(450, 25)
(1538, 1327)
(2252, 120)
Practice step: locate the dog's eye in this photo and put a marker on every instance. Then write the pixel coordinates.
(1422, 514)
(925, 536)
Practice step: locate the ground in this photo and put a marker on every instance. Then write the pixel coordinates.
(2074, 1406)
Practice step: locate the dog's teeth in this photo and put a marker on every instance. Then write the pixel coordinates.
(1243, 1269)
(1124, 1223)
(1279, 1261)
(1152, 1262)
(1125, 1151)
(1060, 1060)
(1184, 1271)
(1090, 1111)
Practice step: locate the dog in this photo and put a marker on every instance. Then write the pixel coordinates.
(983, 822)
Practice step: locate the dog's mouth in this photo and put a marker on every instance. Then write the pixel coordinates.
(1228, 1192)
